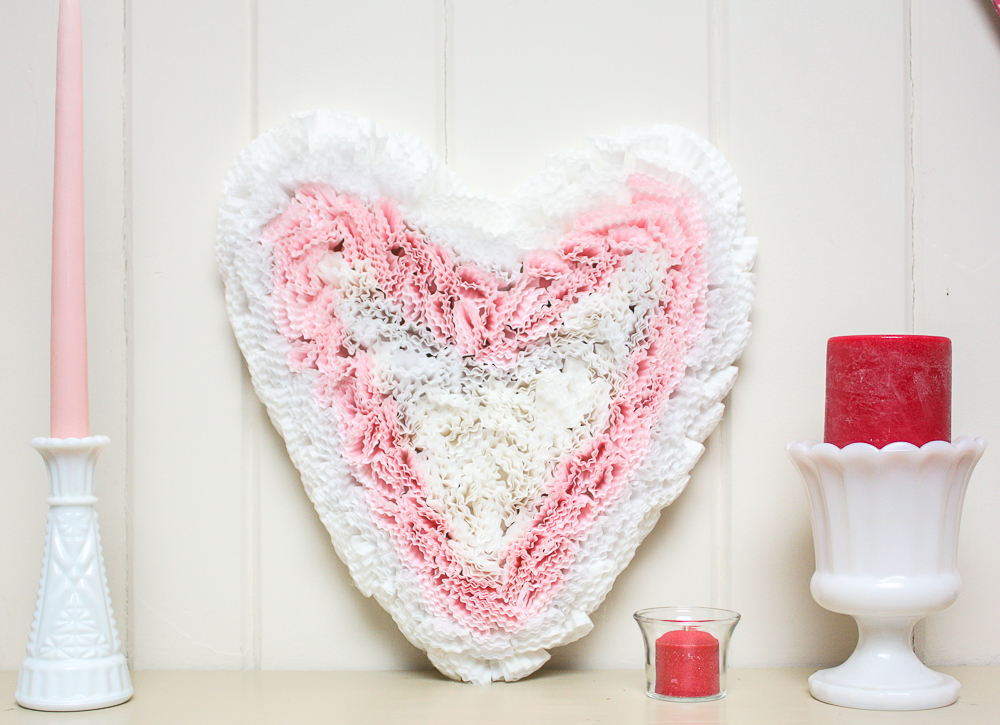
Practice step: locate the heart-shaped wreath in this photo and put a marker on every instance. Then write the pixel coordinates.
(489, 401)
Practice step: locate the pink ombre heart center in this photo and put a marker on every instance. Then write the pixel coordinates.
(430, 365)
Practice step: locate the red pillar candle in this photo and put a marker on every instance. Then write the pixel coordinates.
(687, 664)
(886, 388)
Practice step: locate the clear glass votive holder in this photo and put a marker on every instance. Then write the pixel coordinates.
(686, 651)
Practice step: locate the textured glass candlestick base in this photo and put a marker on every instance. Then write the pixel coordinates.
(686, 651)
(885, 527)
(74, 660)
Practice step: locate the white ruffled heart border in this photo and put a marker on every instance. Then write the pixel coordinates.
(356, 156)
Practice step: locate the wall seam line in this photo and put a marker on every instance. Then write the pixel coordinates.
(447, 10)
(910, 215)
(254, 100)
(251, 646)
(719, 110)
(910, 172)
(128, 295)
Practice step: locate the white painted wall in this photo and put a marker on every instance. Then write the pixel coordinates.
(864, 135)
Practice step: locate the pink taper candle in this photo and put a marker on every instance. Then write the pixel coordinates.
(69, 408)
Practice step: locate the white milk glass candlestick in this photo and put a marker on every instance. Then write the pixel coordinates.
(74, 660)
(74, 657)
(885, 527)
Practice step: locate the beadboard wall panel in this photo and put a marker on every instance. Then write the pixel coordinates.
(957, 236)
(817, 121)
(862, 134)
(527, 79)
(190, 117)
(28, 73)
(343, 56)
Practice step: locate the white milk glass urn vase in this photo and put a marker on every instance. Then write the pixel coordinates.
(885, 527)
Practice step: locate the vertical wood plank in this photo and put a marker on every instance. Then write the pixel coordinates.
(533, 78)
(956, 79)
(190, 117)
(27, 107)
(104, 34)
(383, 60)
(27, 110)
(818, 141)
(527, 79)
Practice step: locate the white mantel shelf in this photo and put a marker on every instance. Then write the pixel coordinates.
(756, 696)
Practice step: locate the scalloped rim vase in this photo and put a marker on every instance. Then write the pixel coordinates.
(74, 657)
(885, 527)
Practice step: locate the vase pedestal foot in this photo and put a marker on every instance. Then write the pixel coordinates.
(73, 685)
(827, 686)
(883, 673)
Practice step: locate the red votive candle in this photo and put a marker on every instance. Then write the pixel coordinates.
(687, 664)
(886, 388)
